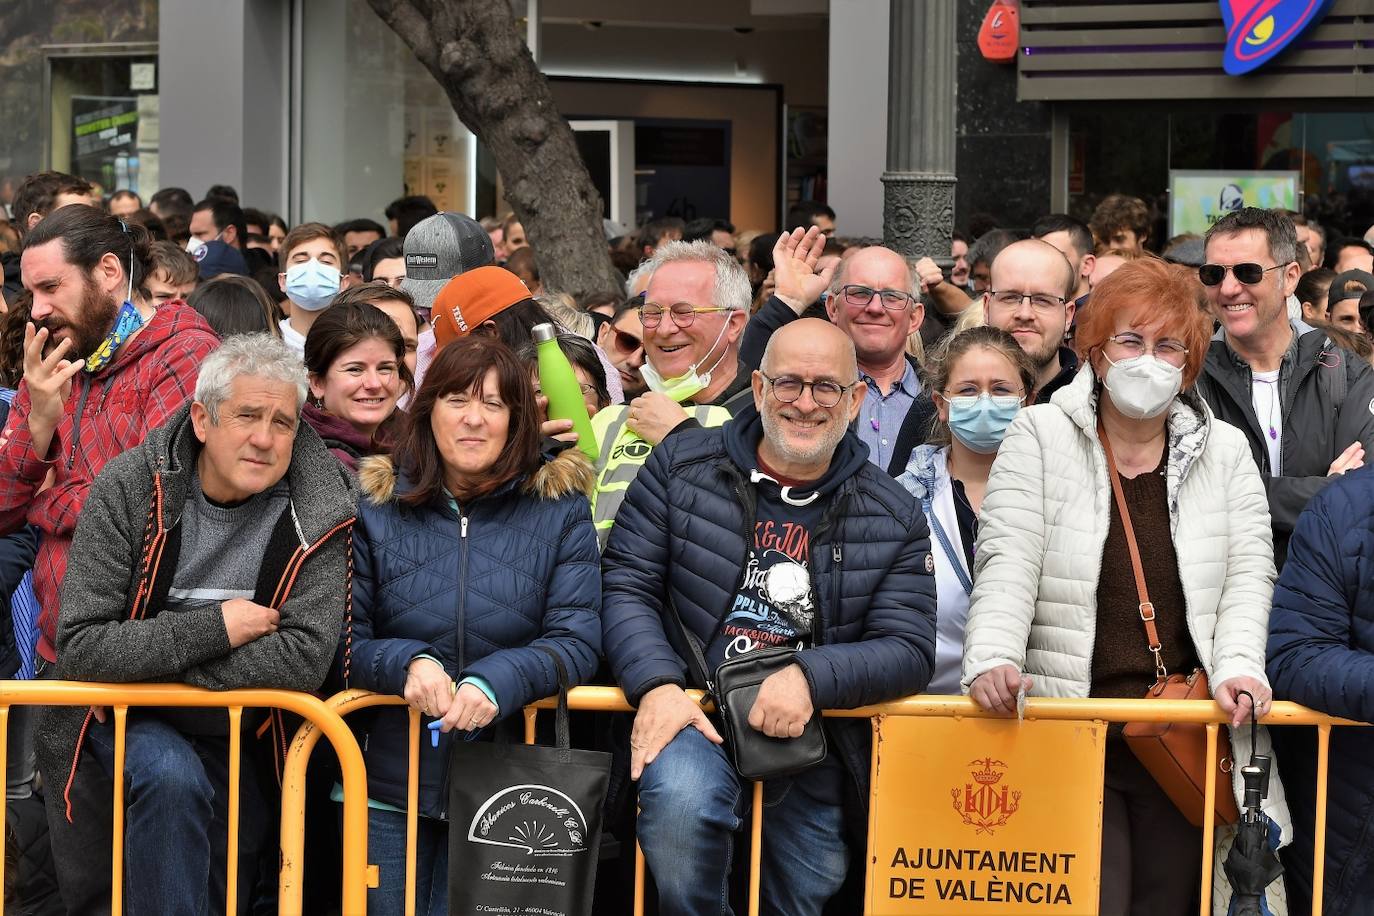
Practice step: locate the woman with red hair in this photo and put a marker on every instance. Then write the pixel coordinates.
(1056, 609)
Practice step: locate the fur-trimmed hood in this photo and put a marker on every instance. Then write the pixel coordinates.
(562, 473)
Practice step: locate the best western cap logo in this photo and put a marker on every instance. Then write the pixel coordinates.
(422, 260)
(1257, 30)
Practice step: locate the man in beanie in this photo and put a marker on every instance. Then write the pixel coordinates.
(437, 250)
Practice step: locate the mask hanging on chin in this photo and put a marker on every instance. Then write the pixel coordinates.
(127, 321)
(691, 382)
(1142, 386)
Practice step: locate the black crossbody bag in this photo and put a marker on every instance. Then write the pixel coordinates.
(734, 689)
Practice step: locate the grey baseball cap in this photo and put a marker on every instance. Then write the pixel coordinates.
(440, 248)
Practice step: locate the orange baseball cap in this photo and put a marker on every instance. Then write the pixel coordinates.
(472, 298)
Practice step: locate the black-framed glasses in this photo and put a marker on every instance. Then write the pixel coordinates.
(1041, 302)
(859, 296)
(787, 388)
(1248, 273)
(684, 313)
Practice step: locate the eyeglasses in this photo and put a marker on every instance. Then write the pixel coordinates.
(824, 392)
(1170, 351)
(859, 296)
(626, 342)
(1041, 302)
(1248, 273)
(684, 313)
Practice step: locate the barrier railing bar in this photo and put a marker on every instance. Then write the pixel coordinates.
(611, 699)
(639, 875)
(231, 869)
(412, 813)
(1319, 830)
(4, 763)
(1209, 804)
(117, 844)
(756, 850)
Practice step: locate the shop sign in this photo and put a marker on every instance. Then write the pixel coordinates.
(983, 816)
(1257, 30)
(1200, 197)
(1000, 36)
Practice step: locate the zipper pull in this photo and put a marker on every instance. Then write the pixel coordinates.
(835, 554)
(463, 526)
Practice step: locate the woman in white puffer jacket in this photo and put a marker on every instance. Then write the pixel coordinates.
(1055, 608)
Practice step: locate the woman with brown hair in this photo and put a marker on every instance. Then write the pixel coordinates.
(1056, 609)
(355, 357)
(980, 381)
(474, 550)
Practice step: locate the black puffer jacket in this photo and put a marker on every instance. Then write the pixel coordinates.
(1327, 402)
(681, 533)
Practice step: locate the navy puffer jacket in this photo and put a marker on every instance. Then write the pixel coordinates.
(477, 591)
(1321, 654)
(681, 531)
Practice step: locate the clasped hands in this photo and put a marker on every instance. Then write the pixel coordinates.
(430, 690)
(781, 710)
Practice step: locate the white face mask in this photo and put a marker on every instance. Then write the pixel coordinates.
(1142, 386)
(688, 383)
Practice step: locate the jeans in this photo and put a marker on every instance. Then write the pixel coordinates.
(386, 846)
(176, 817)
(690, 808)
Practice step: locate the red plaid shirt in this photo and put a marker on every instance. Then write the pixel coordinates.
(153, 375)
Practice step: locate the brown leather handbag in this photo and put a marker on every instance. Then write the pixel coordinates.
(1174, 753)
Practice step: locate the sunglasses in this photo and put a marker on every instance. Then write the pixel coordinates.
(1248, 273)
(626, 342)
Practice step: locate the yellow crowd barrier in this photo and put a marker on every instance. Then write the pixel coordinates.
(119, 698)
(608, 699)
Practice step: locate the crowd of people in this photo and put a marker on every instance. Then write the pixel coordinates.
(238, 453)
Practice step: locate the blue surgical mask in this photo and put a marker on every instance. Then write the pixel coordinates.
(312, 285)
(980, 422)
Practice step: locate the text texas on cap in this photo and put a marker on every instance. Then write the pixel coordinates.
(440, 248)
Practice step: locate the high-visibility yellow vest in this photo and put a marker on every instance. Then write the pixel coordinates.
(623, 453)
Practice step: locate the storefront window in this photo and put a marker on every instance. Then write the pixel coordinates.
(103, 119)
(375, 124)
(1328, 155)
(62, 30)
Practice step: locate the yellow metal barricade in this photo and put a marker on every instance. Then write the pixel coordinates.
(609, 699)
(119, 698)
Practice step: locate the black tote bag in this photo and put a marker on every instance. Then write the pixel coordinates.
(525, 823)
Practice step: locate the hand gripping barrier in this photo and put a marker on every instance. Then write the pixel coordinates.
(120, 697)
(609, 699)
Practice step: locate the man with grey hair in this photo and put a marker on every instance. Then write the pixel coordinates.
(720, 541)
(696, 305)
(1304, 404)
(874, 297)
(214, 554)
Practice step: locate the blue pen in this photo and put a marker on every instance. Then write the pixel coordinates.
(434, 732)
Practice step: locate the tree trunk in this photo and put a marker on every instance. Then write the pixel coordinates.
(478, 55)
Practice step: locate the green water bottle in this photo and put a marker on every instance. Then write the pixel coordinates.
(561, 387)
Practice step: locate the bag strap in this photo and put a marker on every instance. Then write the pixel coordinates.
(1147, 610)
(955, 560)
(696, 660)
(560, 721)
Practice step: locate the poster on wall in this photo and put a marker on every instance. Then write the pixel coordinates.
(104, 134)
(1197, 198)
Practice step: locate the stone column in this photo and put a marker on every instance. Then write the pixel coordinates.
(918, 186)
